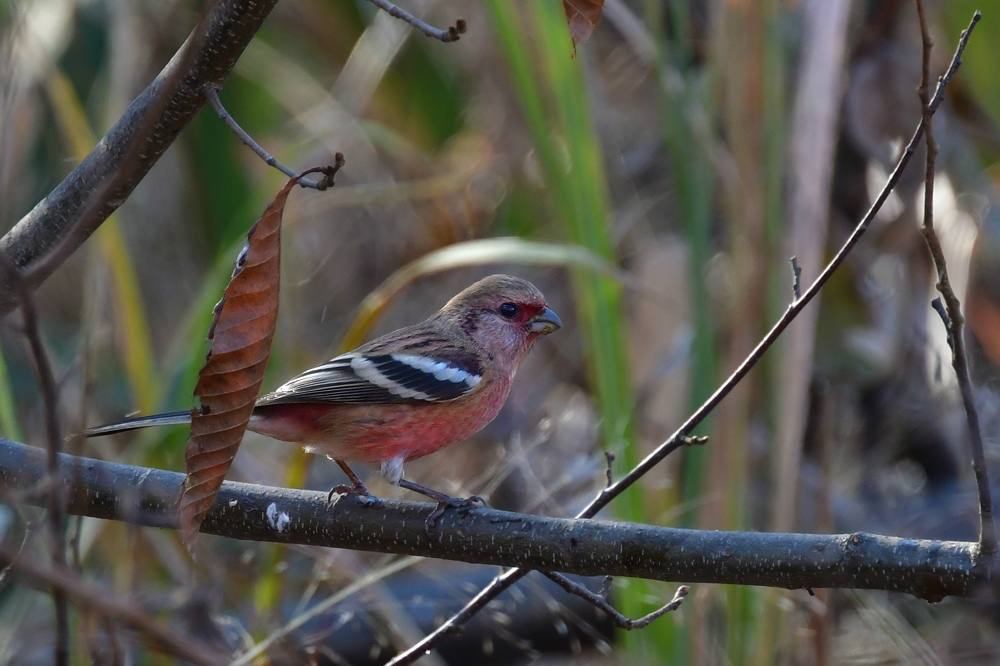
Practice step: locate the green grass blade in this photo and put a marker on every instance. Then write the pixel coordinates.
(9, 426)
(553, 101)
(550, 87)
(129, 309)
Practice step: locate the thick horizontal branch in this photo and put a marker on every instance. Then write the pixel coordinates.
(228, 29)
(143, 496)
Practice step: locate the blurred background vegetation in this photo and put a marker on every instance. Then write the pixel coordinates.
(670, 149)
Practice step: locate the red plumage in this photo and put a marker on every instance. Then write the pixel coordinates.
(411, 392)
(468, 333)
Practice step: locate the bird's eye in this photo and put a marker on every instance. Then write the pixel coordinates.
(508, 310)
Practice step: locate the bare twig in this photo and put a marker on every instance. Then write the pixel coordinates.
(621, 621)
(56, 512)
(679, 438)
(89, 596)
(955, 321)
(56, 518)
(450, 35)
(212, 93)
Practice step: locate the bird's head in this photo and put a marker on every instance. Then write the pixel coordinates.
(502, 313)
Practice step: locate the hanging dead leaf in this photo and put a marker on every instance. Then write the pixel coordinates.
(229, 383)
(582, 16)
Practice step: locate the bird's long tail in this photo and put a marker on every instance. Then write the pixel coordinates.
(170, 418)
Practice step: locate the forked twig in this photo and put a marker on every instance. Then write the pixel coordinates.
(450, 35)
(212, 95)
(680, 437)
(955, 321)
(621, 621)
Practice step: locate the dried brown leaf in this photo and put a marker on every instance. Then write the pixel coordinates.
(228, 385)
(582, 16)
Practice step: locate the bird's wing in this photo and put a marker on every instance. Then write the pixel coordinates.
(381, 377)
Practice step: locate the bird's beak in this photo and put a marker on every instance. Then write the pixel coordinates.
(544, 322)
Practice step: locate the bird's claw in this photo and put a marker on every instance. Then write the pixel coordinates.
(358, 488)
(447, 502)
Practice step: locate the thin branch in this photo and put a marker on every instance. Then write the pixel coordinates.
(212, 93)
(105, 603)
(621, 621)
(955, 319)
(56, 509)
(450, 35)
(56, 518)
(143, 496)
(62, 221)
(679, 438)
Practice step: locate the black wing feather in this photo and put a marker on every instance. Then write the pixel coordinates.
(358, 378)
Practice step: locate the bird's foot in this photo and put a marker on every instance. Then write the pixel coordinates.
(444, 502)
(447, 502)
(356, 488)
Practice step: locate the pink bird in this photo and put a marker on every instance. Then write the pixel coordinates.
(406, 394)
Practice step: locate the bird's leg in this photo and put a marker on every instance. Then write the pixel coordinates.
(440, 497)
(357, 486)
(444, 501)
(392, 470)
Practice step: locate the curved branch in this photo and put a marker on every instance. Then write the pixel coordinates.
(953, 318)
(105, 179)
(142, 496)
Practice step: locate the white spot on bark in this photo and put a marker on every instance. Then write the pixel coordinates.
(277, 519)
